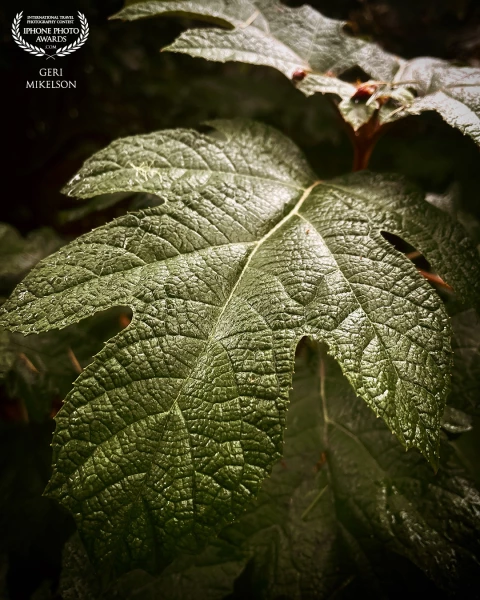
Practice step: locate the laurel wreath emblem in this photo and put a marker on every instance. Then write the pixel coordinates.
(64, 51)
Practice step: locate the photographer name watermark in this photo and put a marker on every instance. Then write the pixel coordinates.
(48, 83)
(50, 37)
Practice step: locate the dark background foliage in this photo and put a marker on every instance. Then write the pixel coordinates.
(125, 87)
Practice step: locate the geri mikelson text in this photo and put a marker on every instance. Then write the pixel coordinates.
(51, 83)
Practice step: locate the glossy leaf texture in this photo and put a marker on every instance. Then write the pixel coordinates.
(314, 51)
(169, 432)
(451, 91)
(266, 32)
(342, 506)
(346, 498)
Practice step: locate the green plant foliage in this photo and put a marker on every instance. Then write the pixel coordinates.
(268, 33)
(453, 92)
(210, 574)
(257, 346)
(18, 255)
(302, 41)
(346, 493)
(40, 370)
(168, 434)
(342, 501)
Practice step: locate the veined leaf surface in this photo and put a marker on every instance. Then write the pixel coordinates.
(342, 505)
(272, 34)
(451, 91)
(169, 432)
(314, 51)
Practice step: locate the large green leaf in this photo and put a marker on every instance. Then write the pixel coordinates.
(314, 51)
(269, 33)
(169, 432)
(230, 12)
(344, 509)
(346, 502)
(451, 91)
(422, 225)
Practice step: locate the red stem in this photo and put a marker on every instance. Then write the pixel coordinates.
(364, 141)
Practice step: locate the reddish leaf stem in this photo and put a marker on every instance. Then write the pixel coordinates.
(435, 279)
(364, 141)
